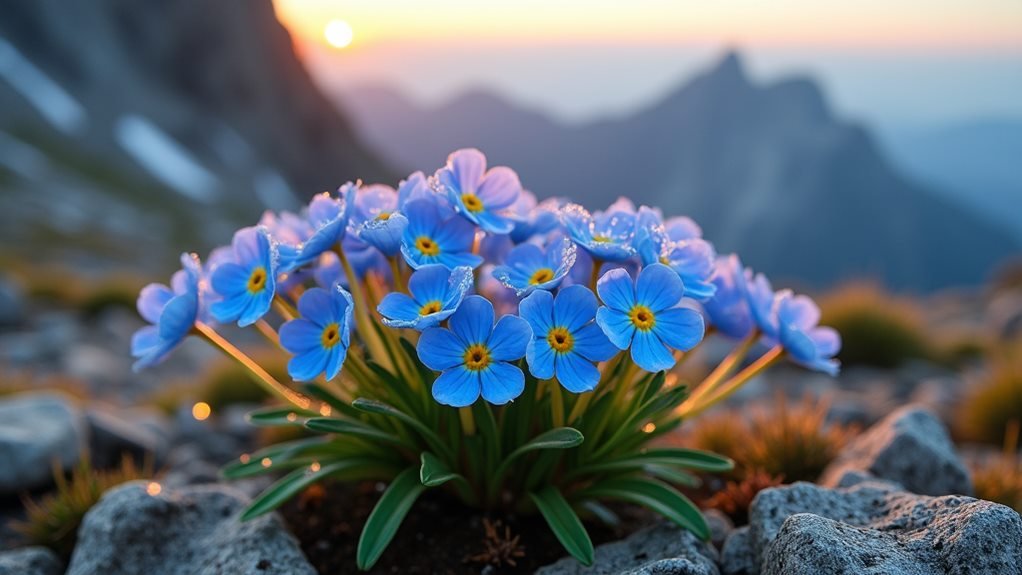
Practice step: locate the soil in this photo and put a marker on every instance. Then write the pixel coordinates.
(439, 536)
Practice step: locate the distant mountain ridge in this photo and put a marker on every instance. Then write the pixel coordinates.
(159, 125)
(767, 170)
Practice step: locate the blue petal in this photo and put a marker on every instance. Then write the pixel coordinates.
(429, 283)
(229, 309)
(464, 171)
(509, 339)
(798, 345)
(499, 188)
(230, 279)
(494, 223)
(317, 306)
(301, 335)
(501, 382)
(473, 321)
(307, 366)
(455, 235)
(538, 310)
(649, 353)
(178, 317)
(144, 339)
(681, 328)
(574, 307)
(440, 349)
(540, 357)
(659, 287)
(453, 260)
(592, 343)
(457, 387)
(616, 325)
(256, 308)
(827, 340)
(335, 361)
(384, 235)
(616, 290)
(576, 374)
(399, 310)
(151, 301)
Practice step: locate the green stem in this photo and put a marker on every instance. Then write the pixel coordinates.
(259, 374)
(581, 403)
(468, 421)
(768, 359)
(556, 403)
(372, 340)
(594, 275)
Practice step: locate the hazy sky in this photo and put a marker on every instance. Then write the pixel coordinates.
(895, 62)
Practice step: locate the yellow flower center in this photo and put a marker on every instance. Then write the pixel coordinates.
(664, 260)
(257, 281)
(560, 340)
(383, 216)
(427, 246)
(642, 318)
(542, 275)
(472, 202)
(601, 239)
(477, 357)
(331, 336)
(430, 307)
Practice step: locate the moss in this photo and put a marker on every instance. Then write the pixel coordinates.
(877, 328)
(53, 520)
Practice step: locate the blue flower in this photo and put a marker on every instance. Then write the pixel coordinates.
(376, 220)
(728, 309)
(806, 343)
(319, 339)
(650, 235)
(248, 283)
(529, 267)
(436, 293)
(432, 238)
(481, 196)
(474, 355)
(329, 219)
(692, 259)
(289, 231)
(644, 316)
(760, 296)
(414, 187)
(681, 228)
(607, 236)
(172, 311)
(566, 341)
(533, 219)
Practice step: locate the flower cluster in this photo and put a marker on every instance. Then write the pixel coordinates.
(462, 285)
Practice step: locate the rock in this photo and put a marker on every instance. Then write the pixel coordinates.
(664, 549)
(874, 527)
(37, 429)
(182, 531)
(138, 434)
(12, 304)
(911, 447)
(737, 556)
(30, 561)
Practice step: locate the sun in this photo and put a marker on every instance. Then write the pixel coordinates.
(338, 34)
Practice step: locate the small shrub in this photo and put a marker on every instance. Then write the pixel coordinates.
(792, 442)
(989, 409)
(53, 520)
(1000, 480)
(736, 497)
(877, 328)
(115, 292)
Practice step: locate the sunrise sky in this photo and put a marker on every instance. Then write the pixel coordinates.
(899, 60)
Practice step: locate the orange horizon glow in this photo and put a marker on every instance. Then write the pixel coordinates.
(904, 24)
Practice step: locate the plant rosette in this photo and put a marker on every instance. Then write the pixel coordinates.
(457, 334)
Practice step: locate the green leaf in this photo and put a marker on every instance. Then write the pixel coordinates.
(565, 524)
(278, 416)
(294, 482)
(326, 396)
(345, 427)
(380, 408)
(656, 496)
(435, 472)
(557, 438)
(692, 458)
(282, 453)
(672, 475)
(387, 516)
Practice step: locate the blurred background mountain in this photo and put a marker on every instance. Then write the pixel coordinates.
(131, 131)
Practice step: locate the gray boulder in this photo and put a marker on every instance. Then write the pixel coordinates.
(664, 549)
(36, 430)
(186, 531)
(911, 447)
(138, 434)
(12, 303)
(737, 556)
(875, 528)
(30, 561)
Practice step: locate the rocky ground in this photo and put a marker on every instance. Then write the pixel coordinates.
(897, 500)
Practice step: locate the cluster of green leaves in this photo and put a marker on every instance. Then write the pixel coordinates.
(552, 453)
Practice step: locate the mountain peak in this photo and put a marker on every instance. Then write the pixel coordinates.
(729, 66)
